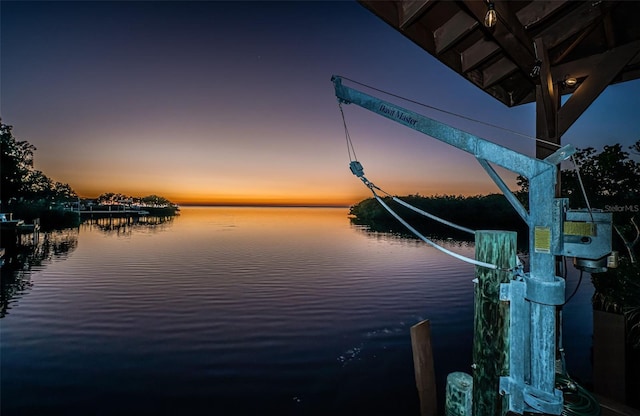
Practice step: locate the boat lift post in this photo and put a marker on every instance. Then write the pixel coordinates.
(530, 385)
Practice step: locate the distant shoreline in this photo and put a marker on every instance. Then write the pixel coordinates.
(266, 205)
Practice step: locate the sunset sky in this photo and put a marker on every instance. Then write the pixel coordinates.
(232, 103)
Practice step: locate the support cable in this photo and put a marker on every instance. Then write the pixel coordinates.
(574, 290)
(358, 170)
(584, 193)
(433, 217)
(418, 210)
(431, 243)
(350, 148)
(451, 113)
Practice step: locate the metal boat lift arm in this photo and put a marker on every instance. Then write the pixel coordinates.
(482, 149)
(531, 383)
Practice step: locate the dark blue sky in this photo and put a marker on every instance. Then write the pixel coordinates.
(232, 101)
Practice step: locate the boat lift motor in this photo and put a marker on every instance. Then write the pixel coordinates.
(586, 236)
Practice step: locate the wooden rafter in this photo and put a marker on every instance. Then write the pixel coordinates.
(576, 34)
(508, 33)
(599, 77)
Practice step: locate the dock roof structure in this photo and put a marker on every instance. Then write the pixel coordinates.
(534, 51)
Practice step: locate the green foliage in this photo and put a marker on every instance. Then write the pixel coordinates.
(611, 180)
(30, 194)
(20, 181)
(15, 165)
(610, 177)
(111, 198)
(156, 201)
(475, 212)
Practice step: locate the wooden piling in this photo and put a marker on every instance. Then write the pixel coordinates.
(458, 395)
(423, 367)
(491, 320)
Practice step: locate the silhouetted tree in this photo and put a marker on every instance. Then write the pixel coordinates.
(20, 182)
(15, 165)
(155, 200)
(611, 179)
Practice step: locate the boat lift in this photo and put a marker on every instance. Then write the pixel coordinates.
(554, 230)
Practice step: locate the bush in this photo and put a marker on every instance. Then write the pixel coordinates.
(488, 212)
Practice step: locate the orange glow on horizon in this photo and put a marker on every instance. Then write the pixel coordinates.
(236, 199)
(339, 198)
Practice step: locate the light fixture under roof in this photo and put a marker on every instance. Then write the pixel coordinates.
(491, 17)
(570, 81)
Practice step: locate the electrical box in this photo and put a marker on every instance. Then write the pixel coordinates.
(587, 235)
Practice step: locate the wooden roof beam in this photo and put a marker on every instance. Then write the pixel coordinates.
(410, 11)
(609, 34)
(391, 13)
(538, 11)
(497, 72)
(580, 68)
(514, 26)
(595, 83)
(579, 20)
(547, 102)
(521, 95)
(455, 29)
(478, 53)
(586, 32)
(508, 33)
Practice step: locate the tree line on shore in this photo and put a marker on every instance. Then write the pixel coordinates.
(480, 211)
(611, 179)
(28, 193)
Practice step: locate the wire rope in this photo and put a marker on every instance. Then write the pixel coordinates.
(495, 126)
(350, 148)
(584, 192)
(418, 210)
(574, 290)
(451, 113)
(429, 242)
(433, 217)
(357, 170)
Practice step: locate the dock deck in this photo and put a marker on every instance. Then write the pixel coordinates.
(115, 212)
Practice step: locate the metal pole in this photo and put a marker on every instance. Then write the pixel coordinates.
(543, 322)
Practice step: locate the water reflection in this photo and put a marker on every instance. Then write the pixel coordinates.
(463, 240)
(21, 259)
(124, 226)
(294, 307)
(439, 234)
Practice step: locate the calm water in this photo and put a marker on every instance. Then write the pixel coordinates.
(234, 311)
